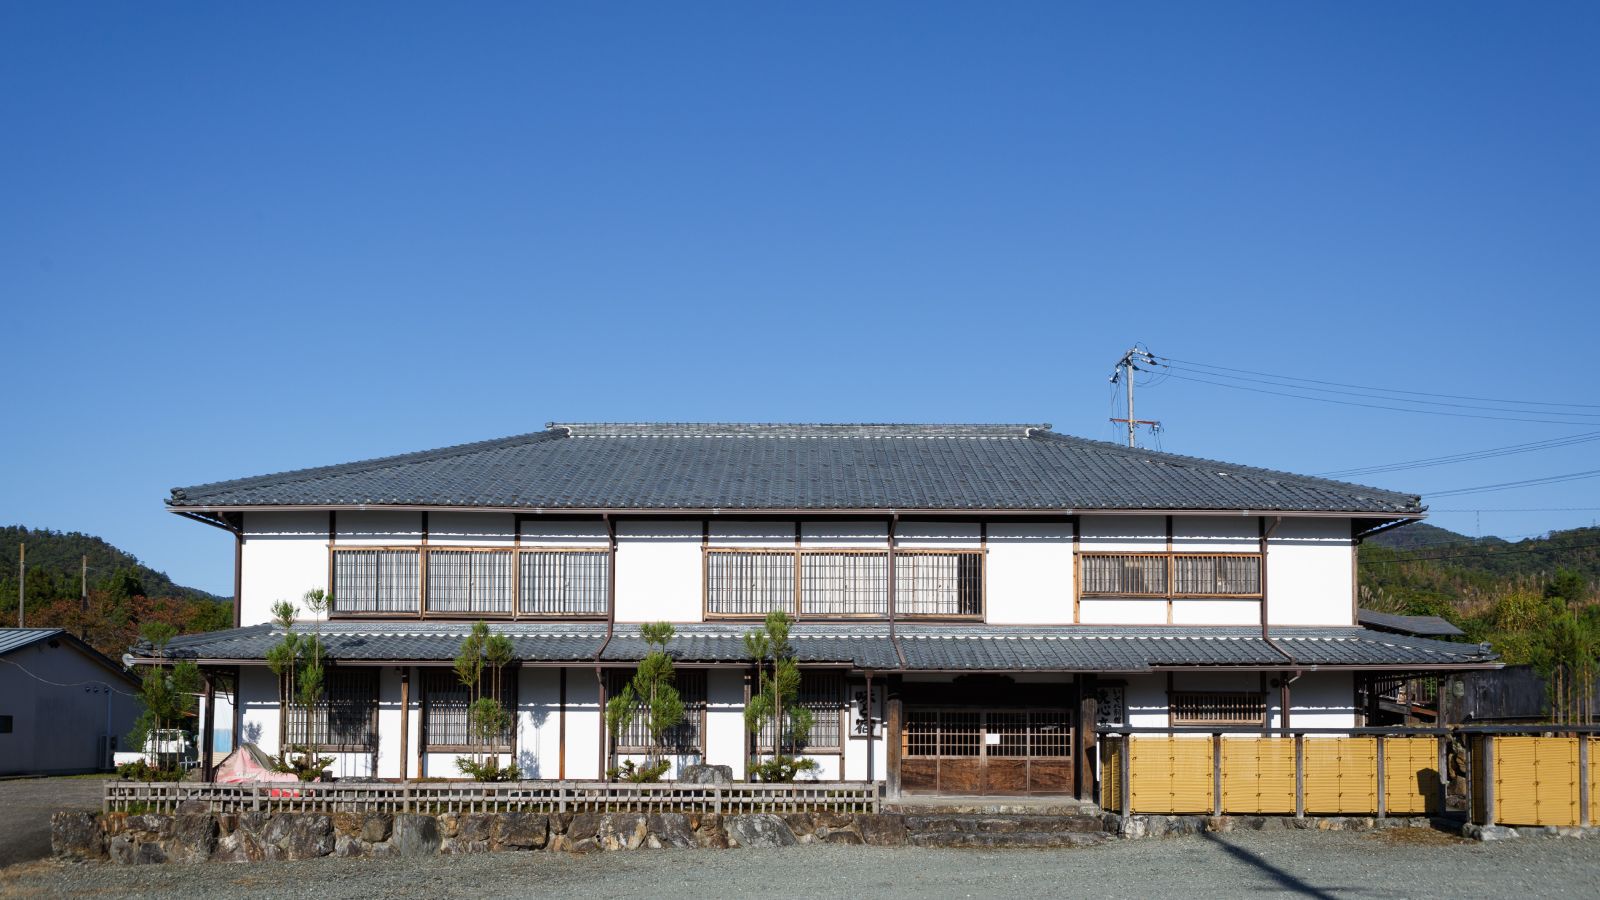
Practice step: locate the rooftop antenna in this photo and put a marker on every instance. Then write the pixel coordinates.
(1123, 371)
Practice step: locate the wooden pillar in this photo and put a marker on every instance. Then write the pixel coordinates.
(1382, 778)
(1299, 776)
(1216, 774)
(1088, 715)
(1444, 774)
(561, 728)
(210, 728)
(1584, 787)
(405, 720)
(1125, 774)
(892, 736)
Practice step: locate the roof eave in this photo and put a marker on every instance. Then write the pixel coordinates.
(206, 513)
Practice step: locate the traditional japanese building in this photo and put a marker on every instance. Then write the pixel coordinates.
(970, 600)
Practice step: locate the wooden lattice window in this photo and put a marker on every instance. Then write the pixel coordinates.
(844, 584)
(564, 582)
(687, 736)
(823, 693)
(376, 581)
(444, 714)
(1218, 708)
(345, 720)
(749, 582)
(1170, 574)
(469, 582)
(938, 584)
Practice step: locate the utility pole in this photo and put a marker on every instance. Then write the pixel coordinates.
(1123, 371)
(22, 583)
(83, 583)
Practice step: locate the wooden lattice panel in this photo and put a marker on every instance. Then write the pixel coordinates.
(1171, 774)
(1410, 775)
(1341, 775)
(1536, 780)
(1258, 775)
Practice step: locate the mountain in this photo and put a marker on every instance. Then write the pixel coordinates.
(124, 594)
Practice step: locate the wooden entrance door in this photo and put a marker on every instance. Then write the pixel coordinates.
(986, 751)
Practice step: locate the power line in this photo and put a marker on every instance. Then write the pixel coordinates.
(1469, 456)
(1507, 485)
(1404, 409)
(1387, 390)
(1521, 509)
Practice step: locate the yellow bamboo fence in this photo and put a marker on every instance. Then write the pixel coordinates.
(1534, 780)
(1176, 774)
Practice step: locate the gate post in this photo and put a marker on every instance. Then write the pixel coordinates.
(892, 735)
(1444, 774)
(1125, 788)
(1216, 774)
(1382, 800)
(1299, 776)
(1584, 787)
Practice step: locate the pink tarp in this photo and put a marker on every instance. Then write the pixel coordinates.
(249, 765)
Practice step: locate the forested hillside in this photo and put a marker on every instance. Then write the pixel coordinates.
(123, 592)
(1537, 600)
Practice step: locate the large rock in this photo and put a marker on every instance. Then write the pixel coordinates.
(521, 831)
(415, 835)
(670, 831)
(581, 834)
(839, 837)
(194, 838)
(759, 830)
(77, 835)
(475, 827)
(298, 836)
(882, 829)
(708, 831)
(801, 823)
(621, 831)
(149, 826)
(704, 774)
(375, 827)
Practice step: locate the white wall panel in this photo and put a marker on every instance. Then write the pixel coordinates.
(470, 529)
(1216, 534)
(939, 535)
(658, 571)
(848, 533)
(377, 528)
(564, 533)
(1029, 573)
(539, 722)
(1316, 700)
(285, 554)
(725, 734)
(1122, 612)
(1309, 573)
(776, 534)
(1216, 612)
(1123, 534)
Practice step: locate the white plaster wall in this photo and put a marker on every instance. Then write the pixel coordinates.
(285, 554)
(1146, 699)
(939, 535)
(376, 528)
(1123, 534)
(258, 705)
(1309, 573)
(857, 751)
(1216, 534)
(583, 725)
(1029, 573)
(848, 533)
(453, 529)
(539, 722)
(389, 761)
(1123, 612)
(725, 734)
(1316, 700)
(563, 533)
(766, 534)
(658, 571)
(1216, 612)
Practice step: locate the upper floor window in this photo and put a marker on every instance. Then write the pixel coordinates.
(843, 583)
(470, 581)
(376, 581)
(1170, 574)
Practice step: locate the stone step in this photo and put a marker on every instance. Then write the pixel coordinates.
(1005, 824)
(1014, 840)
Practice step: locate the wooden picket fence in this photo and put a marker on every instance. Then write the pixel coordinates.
(521, 796)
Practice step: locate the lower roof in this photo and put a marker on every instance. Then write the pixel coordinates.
(929, 648)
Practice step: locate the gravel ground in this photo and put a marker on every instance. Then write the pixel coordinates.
(1420, 864)
(25, 808)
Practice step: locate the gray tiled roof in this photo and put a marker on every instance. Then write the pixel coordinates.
(1425, 626)
(800, 467)
(926, 647)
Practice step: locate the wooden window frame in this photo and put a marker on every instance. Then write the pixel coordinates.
(796, 606)
(700, 707)
(372, 718)
(425, 551)
(1174, 698)
(510, 700)
(1171, 558)
(763, 745)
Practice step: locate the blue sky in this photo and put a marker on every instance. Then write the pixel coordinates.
(241, 239)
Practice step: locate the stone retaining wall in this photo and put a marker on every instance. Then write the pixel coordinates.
(1164, 826)
(192, 837)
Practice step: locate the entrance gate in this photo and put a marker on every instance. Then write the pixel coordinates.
(986, 751)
